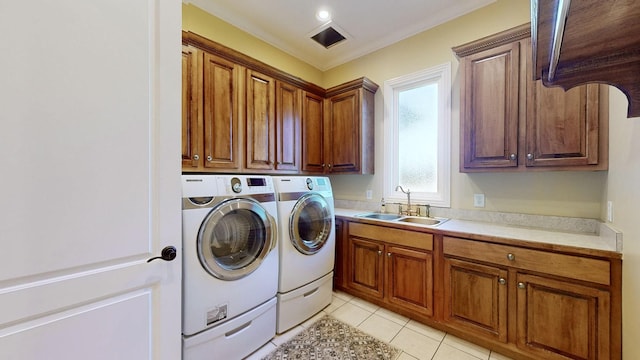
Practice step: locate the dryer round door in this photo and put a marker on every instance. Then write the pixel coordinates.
(310, 223)
(235, 238)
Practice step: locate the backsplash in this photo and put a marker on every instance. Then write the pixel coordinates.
(555, 223)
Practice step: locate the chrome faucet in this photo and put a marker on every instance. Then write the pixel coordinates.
(408, 192)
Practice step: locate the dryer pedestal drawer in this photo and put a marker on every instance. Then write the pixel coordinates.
(300, 304)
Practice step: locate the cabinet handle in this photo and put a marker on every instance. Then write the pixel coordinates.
(502, 281)
(388, 254)
(329, 166)
(209, 158)
(511, 257)
(196, 157)
(521, 285)
(323, 165)
(379, 252)
(512, 156)
(530, 156)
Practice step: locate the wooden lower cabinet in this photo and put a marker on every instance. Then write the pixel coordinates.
(475, 298)
(561, 320)
(410, 279)
(367, 266)
(524, 302)
(393, 266)
(342, 249)
(537, 315)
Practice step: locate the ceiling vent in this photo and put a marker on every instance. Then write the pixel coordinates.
(328, 37)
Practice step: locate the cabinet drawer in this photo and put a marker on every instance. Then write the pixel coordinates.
(570, 266)
(394, 236)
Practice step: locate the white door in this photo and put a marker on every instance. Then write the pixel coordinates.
(89, 179)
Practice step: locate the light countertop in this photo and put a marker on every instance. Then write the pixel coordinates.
(605, 239)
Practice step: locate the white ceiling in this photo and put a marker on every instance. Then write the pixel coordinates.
(368, 25)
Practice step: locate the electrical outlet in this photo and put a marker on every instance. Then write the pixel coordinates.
(609, 211)
(478, 200)
(369, 194)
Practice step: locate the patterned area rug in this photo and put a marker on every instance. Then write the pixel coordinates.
(330, 339)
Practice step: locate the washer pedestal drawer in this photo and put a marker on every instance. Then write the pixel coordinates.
(236, 338)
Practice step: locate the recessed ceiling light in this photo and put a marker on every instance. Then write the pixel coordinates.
(323, 15)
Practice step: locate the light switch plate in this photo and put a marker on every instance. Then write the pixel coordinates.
(369, 194)
(478, 200)
(609, 211)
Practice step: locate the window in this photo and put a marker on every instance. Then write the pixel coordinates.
(417, 136)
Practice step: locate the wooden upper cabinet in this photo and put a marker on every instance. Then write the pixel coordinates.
(313, 133)
(191, 124)
(596, 42)
(209, 112)
(348, 131)
(288, 120)
(563, 128)
(260, 121)
(220, 118)
(511, 122)
(489, 104)
(242, 115)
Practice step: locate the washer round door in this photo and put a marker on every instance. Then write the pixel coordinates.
(235, 238)
(310, 223)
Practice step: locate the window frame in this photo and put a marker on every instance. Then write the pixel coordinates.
(440, 74)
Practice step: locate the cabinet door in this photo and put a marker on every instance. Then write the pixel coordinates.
(191, 124)
(220, 92)
(562, 127)
(342, 126)
(410, 279)
(475, 298)
(490, 108)
(559, 320)
(288, 109)
(313, 134)
(342, 249)
(366, 267)
(260, 121)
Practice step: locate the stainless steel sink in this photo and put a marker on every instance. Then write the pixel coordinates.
(379, 216)
(416, 220)
(421, 220)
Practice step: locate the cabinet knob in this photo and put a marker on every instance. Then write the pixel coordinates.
(530, 156)
(502, 281)
(521, 285)
(511, 257)
(512, 156)
(323, 165)
(388, 254)
(329, 166)
(379, 252)
(209, 158)
(196, 157)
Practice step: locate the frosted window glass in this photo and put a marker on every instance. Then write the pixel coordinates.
(418, 138)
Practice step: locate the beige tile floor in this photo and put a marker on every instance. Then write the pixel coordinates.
(417, 341)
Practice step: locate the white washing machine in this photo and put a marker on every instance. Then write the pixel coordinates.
(307, 248)
(230, 265)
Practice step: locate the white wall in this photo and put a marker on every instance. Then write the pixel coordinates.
(623, 189)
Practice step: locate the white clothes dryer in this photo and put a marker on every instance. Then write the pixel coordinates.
(307, 248)
(230, 265)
